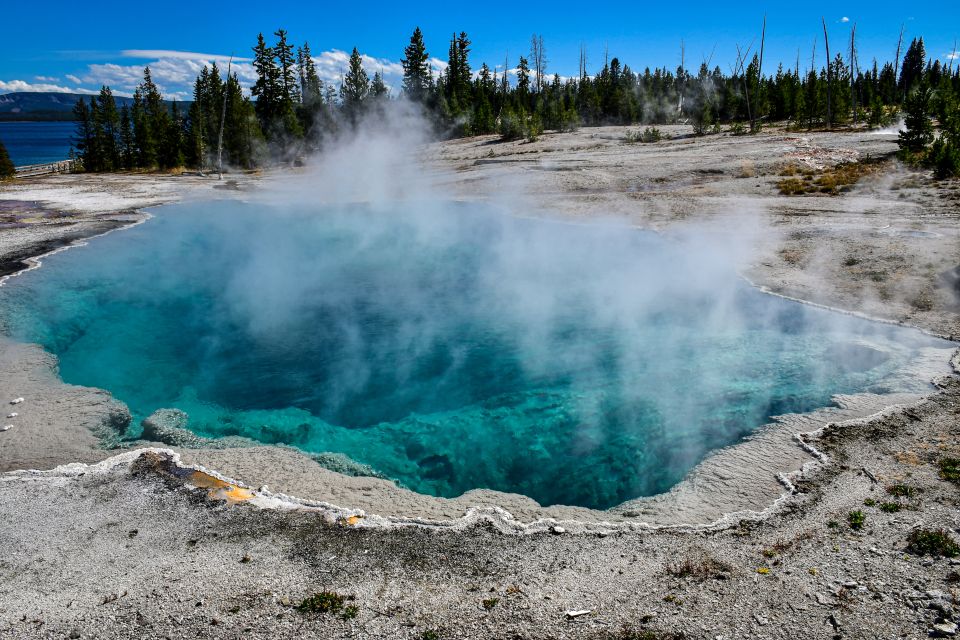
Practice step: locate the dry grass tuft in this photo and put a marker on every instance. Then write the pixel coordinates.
(830, 181)
(700, 567)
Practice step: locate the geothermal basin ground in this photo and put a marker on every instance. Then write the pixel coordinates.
(744, 546)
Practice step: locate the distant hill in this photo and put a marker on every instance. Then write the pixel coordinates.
(34, 105)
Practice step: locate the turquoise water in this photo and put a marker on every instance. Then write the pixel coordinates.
(37, 142)
(449, 348)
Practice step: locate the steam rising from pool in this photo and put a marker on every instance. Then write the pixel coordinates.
(448, 346)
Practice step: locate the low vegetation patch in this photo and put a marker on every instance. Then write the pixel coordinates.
(932, 542)
(902, 490)
(950, 469)
(856, 519)
(650, 134)
(799, 180)
(700, 567)
(329, 602)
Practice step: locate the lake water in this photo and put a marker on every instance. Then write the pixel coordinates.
(37, 142)
(447, 347)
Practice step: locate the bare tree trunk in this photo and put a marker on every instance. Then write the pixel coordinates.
(538, 57)
(741, 59)
(813, 69)
(853, 71)
(763, 36)
(223, 119)
(682, 81)
(896, 68)
(826, 43)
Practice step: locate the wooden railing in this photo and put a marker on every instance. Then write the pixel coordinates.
(60, 166)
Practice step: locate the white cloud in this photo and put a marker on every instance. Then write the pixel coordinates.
(173, 76)
(175, 71)
(953, 55)
(46, 78)
(844, 19)
(21, 85)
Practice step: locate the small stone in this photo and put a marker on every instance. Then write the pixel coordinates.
(944, 629)
(761, 620)
(558, 530)
(6, 427)
(285, 601)
(16, 401)
(12, 415)
(74, 634)
(576, 613)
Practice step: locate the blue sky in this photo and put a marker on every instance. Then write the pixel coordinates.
(78, 46)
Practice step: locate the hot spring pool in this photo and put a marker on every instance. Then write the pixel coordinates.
(450, 348)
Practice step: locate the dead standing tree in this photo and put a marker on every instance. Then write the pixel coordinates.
(853, 70)
(741, 58)
(763, 36)
(896, 67)
(538, 56)
(826, 43)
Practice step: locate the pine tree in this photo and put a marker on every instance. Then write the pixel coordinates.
(242, 137)
(267, 87)
(378, 90)
(310, 85)
(94, 158)
(7, 170)
(913, 64)
(108, 131)
(171, 140)
(196, 142)
(83, 140)
(918, 130)
(150, 118)
(288, 86)
(416, 72)
(523, 81)
(127, 143)
(283, 52)
(355, 87)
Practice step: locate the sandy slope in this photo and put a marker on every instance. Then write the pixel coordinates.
(72, 532)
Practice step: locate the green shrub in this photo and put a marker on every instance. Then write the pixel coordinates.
(650, 134)
(944, 158)
(918, 130)
(7, 170)
(950, 469)
(902, 490)
(932, 542)
(328, 602)
(857, 519)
